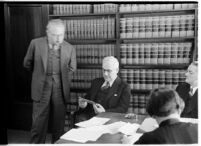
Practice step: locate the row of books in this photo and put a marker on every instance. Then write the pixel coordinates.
(157, 26)
(90, 28)
(105, 8)
(155, 7)
(138, 103)
(82, 77)
(93, 53)
(67, 9)
(152, 78)
(137, 78)
(155, 53)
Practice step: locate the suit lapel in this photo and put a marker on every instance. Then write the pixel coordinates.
(194, 101)
(44, 52)
(113, 89)
(96, 89)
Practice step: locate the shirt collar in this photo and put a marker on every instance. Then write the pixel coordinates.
(194, 89)
(111, 82)
(169, 122)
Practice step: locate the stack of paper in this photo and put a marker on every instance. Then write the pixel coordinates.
(95, 121)
(114, 127)
(84, 134)
(129, 129)
(131, 139)
(93, 128)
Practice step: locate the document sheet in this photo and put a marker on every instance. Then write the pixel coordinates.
(95, 121)
(84, 134)
(129, 129)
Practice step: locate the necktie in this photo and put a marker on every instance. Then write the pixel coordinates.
(106, 86)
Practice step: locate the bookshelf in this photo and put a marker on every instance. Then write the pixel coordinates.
(154, 43)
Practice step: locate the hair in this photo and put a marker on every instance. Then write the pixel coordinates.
(163, 102)
(111, 60)
(55, 22)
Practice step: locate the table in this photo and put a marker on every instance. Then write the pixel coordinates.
(109, 138)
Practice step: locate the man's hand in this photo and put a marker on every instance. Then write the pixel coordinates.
(98, 108)
(82, 103)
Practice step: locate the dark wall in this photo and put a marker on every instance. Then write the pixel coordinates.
(23, 23)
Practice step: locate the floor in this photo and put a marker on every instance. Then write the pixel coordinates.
(21, 137)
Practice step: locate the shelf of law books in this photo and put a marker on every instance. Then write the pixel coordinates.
(157, 43)
(154, 43)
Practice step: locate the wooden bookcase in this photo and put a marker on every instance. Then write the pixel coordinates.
(182, 18)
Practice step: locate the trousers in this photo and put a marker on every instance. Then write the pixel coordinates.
(49, 110)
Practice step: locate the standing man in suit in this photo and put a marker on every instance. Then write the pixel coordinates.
(165, 106)
(52, 61)
(109, 93)
(188, 91)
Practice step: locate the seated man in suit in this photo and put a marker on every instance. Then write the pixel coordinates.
(109, 93)
(188, 91)
(165, 106)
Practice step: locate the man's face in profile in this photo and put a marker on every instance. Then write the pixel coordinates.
(191, 74)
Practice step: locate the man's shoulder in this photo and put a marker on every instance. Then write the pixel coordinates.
(98, 80)
(40, 39)
(65, 43)
(183, 85)
(122, 82)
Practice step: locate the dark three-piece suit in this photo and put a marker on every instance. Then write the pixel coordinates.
(114, 99)
(191, 102)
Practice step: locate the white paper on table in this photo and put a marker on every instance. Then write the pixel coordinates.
(114, 127)
(131, 139)
(129, 129)
(84, 134)
(95, 121)
(191, 120)
(149, 124)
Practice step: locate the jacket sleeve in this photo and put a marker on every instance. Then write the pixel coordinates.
(89, 107)
(123, 104)
(29, 58)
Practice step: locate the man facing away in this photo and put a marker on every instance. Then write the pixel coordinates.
(165, 106)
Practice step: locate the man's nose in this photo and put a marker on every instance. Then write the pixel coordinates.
(57, 38)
